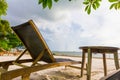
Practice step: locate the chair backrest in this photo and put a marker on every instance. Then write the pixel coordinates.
(33, 41)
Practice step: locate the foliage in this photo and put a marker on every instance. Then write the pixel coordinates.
(13, 40)
(3, 44)
(46, 3)
(4, 28)
(89, 4)
(115, 4)
(8, 39)
(3, 7)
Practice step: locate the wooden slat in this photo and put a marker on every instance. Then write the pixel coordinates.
(3, 70)
(76, 67)
(38, 58)
(8, 63)
(19, 64)
(21, 55)
(19, 72)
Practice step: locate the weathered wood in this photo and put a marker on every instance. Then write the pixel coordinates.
(103, 50)
(31, 37)
(38, 58)
(75, 67)
(5, 64)
(83, 63)
(100, 49)
(89, 64)
(20, 55)
(2, 70)
(116, 60)
(14, 63)
(104, 65)
(19, 72)
(38, 49)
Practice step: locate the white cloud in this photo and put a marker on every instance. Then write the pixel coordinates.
(66, 26)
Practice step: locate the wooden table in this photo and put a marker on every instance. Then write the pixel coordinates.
(98, 49)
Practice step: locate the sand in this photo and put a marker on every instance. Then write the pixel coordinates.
(62, 73)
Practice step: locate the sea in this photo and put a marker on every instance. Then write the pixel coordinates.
(79, 54)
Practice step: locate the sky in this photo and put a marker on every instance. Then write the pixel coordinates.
(66, 27)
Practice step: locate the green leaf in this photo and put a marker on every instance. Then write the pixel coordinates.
(97, 4)
(86, 3)
(113, 0)
(44, 4)
(3, 7)
(99, 0)
(40, 1)
(56, 0)
(112, 5)
(6, 36)
(89, 9)
(49, 3)
(119, 5)
(94, 6)
(116, 7)
(86, 8)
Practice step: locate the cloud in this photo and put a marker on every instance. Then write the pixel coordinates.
(66, 26)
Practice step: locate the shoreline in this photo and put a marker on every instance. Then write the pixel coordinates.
(81, 56)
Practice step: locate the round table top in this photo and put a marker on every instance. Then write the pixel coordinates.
(99, 47)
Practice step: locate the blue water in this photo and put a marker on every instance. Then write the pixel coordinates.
(70, 53)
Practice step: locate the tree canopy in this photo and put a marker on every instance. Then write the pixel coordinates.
(89, 4)
(3, 7)
(8, 39)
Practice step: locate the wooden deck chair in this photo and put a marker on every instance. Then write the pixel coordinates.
(39, 51)
(34, 43)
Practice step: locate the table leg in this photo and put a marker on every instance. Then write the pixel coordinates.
(89, 64)
(116, 60)
(104, 64)
(83, 63)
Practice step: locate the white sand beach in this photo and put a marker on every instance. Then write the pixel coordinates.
(60, 73)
